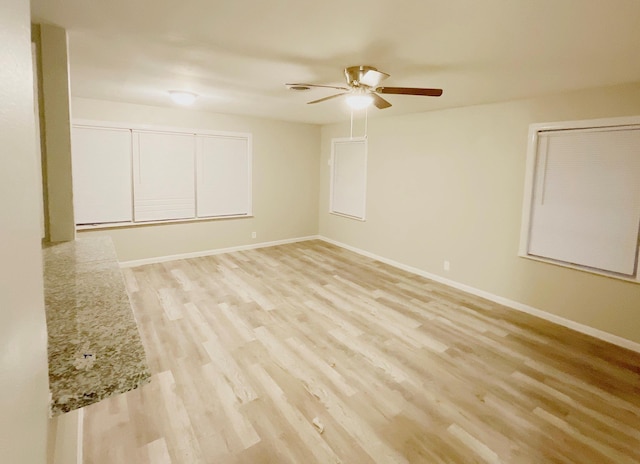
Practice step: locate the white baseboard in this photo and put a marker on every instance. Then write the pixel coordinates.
(585, 329)
(218, 251)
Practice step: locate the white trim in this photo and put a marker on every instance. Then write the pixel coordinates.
(586, 123)
(348, 216)
(590, 270)
(332, 175)
(154, 128)
(118, 225)
(217, 251)
(578, 327)
(68, 446)
(250, 161)
(585, 329)
(530, 170)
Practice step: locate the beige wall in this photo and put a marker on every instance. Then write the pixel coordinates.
(448, 185)
(285, 182)
(56, 132)
(23, 335)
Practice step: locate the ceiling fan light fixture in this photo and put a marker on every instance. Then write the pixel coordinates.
(182, 97)
(359, 101)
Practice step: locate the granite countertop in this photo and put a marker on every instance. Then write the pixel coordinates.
(95, 350)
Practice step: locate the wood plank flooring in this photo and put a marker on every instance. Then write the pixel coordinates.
(249, 349)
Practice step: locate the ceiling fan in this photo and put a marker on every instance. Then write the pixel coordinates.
(364, 88)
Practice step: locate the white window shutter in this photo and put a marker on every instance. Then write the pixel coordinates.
(349, 178)
(224, 176)
(586, 201)
(101, 175)
(164, 176)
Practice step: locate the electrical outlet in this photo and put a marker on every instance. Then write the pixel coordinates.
(254, 235)
(446, 266)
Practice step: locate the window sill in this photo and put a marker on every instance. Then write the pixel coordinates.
(122, 225)
(356, 218)
(611, 275)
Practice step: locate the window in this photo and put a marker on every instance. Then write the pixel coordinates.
(582, 197)
(348, 177)
(223, 183)
(142, 174)
(101, 162)
(163, 172)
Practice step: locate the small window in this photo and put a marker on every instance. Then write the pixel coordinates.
(349, 177)
(163, 172)
(223, 176)
(101, 175)
(582, 197)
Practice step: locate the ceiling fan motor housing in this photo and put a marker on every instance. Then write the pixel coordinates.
(354, 74)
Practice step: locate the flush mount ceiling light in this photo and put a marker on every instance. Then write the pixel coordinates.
(182, 97)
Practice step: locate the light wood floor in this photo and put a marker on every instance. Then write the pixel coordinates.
(248, 348)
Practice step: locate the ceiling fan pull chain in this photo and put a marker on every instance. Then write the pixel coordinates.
(366, 121)
(351, 133)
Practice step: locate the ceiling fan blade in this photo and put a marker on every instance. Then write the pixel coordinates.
(380, 102)
(373, 77)
(410, 91)
(317, 85)
(326, 98)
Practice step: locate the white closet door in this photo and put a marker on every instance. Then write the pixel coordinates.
(586, 199)
(224, 176)
(163, 172)
(349, 177)
(101, 175)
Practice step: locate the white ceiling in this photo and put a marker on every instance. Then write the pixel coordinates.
(238, 54)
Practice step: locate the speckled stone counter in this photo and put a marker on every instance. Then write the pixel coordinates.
(95, 350)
